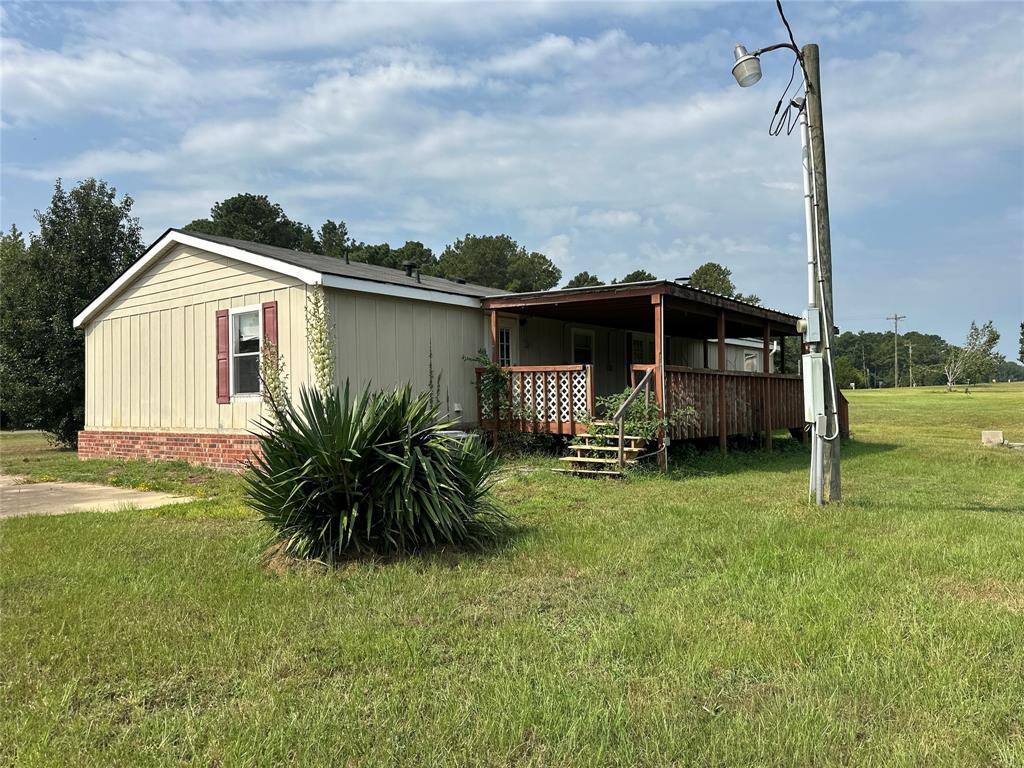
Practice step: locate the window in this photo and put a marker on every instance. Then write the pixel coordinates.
(582, 347)
(750, 361)
(245, 352)
(643, 349)
(504, 347)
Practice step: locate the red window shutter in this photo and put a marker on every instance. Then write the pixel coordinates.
(270, 322)
(223, 358)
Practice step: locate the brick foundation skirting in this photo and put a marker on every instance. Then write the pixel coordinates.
(209, 450)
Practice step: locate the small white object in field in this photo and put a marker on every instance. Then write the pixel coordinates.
(992, 437)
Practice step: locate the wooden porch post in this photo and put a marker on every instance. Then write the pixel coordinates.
(495, 406)
(766, 408)
(494, 335)
(723, 426)
(659, 368)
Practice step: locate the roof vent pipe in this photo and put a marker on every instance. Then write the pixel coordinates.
(408, 266)
(460, 280)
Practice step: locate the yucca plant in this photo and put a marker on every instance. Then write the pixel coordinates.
(369, 473)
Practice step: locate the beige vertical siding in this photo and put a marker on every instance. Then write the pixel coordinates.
(381, 341)
(549, 342)
(151, 355)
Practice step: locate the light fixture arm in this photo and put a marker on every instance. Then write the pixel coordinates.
(776, 47)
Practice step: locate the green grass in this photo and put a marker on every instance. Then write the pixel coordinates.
(708, 618)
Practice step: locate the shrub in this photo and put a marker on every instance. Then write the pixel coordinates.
(641, 417)
(371, 473)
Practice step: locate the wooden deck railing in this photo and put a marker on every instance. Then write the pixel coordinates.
(753, 402)
(557, 398)
(541, 398)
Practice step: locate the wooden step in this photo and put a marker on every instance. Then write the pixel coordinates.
(592, 460)
(615, 437)
(626, 449)
(590, 472)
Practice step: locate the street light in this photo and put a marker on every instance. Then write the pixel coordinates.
(747, 69)
(820, 395)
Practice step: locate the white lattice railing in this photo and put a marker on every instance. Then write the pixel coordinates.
(541, 398)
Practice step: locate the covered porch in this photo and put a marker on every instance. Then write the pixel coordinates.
(724, 358)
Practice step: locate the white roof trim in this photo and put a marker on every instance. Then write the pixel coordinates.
(399, 291)
(157, 250)
(307, 276)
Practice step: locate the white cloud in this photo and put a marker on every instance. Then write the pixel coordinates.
(557, 248)
(41, 85)
(611, 219)
(610, 144)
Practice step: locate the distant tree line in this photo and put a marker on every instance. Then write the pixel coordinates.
(709, 276)
(866, 359)
(496, 261)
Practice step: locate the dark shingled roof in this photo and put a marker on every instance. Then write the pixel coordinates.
(356, 270)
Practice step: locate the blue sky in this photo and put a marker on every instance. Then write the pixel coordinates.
(609, 136)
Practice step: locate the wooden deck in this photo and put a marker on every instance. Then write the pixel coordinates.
(559, 400)
(733, 402)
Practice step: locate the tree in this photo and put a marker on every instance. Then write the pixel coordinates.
(976, 358)
(847, 374)
(13, 268)
(715, 278)
(86, 239)
(636, 276)
(497, 261)
(377, 254)
(871, 353)
(418, 254)
(255, 218)
(334, 239)
(584, 280)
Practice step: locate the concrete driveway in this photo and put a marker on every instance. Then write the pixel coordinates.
(18, 499)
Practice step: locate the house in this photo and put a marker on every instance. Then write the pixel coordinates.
(173, 347)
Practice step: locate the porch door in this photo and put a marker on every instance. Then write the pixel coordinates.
(583, 346)
(508, 341)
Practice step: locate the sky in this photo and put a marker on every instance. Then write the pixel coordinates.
(610, 136)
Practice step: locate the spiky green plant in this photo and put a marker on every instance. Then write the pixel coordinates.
(371, 472)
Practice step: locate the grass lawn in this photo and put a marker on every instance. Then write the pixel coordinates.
(710, 617)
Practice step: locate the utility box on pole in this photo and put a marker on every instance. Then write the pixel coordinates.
(814, 389)
(810, 325)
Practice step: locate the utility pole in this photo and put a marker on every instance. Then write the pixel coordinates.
(831, 478)
(910, 349)
(896, 317)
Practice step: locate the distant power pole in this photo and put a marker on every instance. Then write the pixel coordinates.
(910, 361)
(896, 317)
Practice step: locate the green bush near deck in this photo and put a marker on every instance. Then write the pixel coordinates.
(369, 473)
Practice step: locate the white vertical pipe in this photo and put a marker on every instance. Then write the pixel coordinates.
(819, 466)
(812, 483)
(805, 147)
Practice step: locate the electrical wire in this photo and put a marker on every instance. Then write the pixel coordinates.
(788, 120)
(789, 29)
